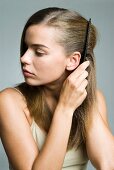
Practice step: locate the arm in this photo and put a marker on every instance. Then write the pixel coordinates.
(18, 141)
(15, 131)
(100, 141)
(16, 134)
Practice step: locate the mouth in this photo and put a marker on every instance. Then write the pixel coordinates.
(27, 73)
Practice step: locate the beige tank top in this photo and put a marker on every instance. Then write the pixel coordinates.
(74, 159)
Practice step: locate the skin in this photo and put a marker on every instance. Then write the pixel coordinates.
(45, 61)
(52, 69)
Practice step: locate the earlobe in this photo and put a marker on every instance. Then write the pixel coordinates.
(73, 61)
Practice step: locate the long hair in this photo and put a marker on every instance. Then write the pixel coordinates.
(71, 35)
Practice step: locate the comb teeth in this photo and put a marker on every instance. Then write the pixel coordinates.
(86, 42)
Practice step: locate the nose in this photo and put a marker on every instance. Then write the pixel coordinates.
(26, 58)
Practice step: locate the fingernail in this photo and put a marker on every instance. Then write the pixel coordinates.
(88, 62)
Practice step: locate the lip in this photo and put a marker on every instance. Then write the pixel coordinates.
(27, 73)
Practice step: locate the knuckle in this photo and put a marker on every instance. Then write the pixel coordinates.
(86, 73)
(76, 85)
(70, 81)
(69, 78)
(85, 93)
(81, 91)
(86, 81)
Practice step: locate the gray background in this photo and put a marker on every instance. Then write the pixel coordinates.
(13, 15)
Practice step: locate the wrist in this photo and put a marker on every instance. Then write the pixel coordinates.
(65, 111)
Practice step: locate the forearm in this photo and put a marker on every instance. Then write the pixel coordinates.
(55, 146)
(100, 143)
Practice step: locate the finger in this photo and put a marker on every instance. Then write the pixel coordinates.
(84, 95)
(81, 78)
(82, 98)
(82, 87)
(80, 69)
(84, 64)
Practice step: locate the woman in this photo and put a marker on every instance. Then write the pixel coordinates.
(57, 118)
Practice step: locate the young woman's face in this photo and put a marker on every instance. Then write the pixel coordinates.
(44, 61)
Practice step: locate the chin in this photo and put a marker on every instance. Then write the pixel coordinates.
(47, 82)
(33, 83)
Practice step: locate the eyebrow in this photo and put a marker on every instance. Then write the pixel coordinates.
(39, 46)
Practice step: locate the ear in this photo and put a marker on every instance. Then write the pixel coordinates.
(73, 61)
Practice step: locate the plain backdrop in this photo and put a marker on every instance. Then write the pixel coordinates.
(14, 14)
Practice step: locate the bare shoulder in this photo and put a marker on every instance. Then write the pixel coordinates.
(100, 94)
(11, 94)
(11, 99)
(15, 130)
(101, 103)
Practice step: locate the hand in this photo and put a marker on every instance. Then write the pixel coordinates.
(74, 91)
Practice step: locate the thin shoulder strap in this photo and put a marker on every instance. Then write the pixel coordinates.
(19, 92)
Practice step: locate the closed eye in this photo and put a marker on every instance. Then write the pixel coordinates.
(39, 54)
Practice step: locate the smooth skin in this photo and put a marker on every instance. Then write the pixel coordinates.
(61, 90)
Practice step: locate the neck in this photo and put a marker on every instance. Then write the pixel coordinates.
(52, 91)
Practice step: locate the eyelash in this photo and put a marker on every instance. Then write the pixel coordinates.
(36, 52)
(39, 54)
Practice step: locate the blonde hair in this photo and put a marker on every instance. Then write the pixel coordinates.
(71, 35)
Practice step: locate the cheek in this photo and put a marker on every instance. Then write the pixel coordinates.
(50, 68)
(56, 68)
(50, 63)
